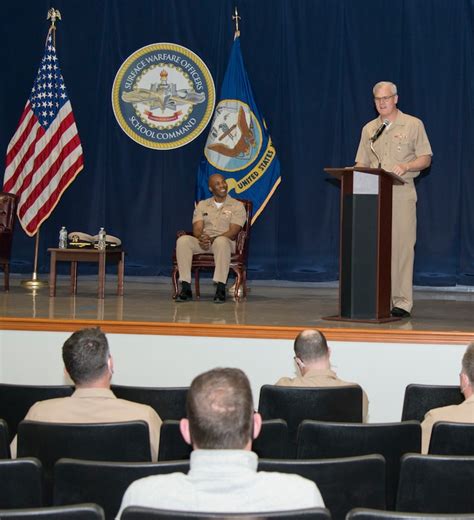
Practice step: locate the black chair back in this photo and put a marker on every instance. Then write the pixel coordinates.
(321, 440)
(168, 402)
(21, 483)
(126, 441)
(376, 514)
(419, 399)
(4, 440)
(172, 444)
(295, 404)
(271, 443)
(144, 513)
(448, 438)
(103, 483)
(436, 484)
(16, 400)
(76, 512)
(344, 483)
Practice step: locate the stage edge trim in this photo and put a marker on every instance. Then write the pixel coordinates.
(356, 335)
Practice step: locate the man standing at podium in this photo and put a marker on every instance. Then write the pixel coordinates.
(402, 147)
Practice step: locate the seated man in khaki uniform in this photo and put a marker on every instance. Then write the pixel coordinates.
(88, 362)
(216, 224)
(313, 359)
(463, 412)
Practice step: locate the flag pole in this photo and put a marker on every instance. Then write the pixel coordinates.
(236, 19)
(35, 283)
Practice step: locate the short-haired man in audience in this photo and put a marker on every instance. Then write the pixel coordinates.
(88, 363)
(221, 425)
(313, 360)
(463, 412)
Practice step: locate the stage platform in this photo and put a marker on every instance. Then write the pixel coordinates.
(273, 309)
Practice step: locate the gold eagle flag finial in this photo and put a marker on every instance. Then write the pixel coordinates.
(53, 15)
(236, 19)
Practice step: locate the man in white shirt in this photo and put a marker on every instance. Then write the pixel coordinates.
(220, 425)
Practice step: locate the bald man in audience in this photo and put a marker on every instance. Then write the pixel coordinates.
(464, 412)
(313, 361)
(88, 363)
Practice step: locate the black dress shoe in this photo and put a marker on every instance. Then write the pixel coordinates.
(220, 293)
(186, 294)
(397, 312)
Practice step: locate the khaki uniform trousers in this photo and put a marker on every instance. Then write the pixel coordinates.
(403, 250)
(188, 245)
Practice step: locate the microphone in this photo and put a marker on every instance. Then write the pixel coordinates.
(379, 130)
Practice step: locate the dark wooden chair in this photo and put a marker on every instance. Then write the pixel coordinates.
(145, 513)
(420, 399)
(8, 203)
(238, 261)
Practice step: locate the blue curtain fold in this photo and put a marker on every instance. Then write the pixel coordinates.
(312, 65)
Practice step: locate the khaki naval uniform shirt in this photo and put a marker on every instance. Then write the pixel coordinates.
(463, 413)
(403, 141)
(94, 405)
(218, 220)
(328, 377)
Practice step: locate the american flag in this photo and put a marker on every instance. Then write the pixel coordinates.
(45, 154)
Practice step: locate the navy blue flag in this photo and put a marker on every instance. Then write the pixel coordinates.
(239, 146)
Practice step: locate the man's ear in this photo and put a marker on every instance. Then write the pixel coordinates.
(299, 363)
(184, 429)
(67, 376)
(110, 364)
(257, 424)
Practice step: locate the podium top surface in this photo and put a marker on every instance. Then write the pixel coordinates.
(339, 172)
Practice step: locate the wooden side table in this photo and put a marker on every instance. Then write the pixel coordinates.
(87, 255)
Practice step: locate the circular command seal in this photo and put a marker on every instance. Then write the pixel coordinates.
(235, 138)
(163, 96)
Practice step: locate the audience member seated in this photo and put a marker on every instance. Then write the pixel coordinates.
(313, 360)
(220, 425)
(463, 412)
(88, 363)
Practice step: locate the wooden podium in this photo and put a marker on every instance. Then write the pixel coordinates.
(365, 244)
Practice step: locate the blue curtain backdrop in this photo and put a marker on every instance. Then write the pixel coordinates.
(312, 64)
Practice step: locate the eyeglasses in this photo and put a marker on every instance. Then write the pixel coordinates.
(384, 98)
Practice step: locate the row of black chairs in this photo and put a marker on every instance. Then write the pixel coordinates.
(291, 404)
(427, 483)
(94, 512)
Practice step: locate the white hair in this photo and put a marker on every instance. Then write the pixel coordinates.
(381, 84)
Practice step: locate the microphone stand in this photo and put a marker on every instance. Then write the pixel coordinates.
(375, 153)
